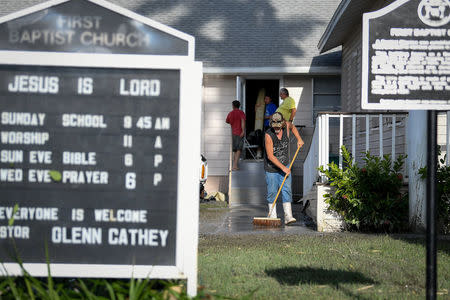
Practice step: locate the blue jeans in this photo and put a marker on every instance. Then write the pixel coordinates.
(274, 181)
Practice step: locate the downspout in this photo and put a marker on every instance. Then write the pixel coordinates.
(417, 158)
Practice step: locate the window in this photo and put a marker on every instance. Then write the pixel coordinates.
(327, 96)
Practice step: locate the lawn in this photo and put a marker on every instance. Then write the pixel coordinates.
(328, 266)
(273, 266)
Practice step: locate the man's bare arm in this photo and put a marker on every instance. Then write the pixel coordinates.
(294, 130)
(243, 128)
(293, 112)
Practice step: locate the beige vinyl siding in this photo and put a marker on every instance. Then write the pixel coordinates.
(218, 93)
(300, 89)
(351, 73)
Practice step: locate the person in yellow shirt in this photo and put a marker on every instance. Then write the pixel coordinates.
(287, 108)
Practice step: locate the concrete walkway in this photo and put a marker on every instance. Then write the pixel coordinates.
(248, 200)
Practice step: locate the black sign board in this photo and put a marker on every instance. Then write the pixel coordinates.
(82, 26)
(90, 157)
(406, 56)
(99, 144)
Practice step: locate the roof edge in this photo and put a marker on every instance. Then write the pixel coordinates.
(307, 70)
(332, 24)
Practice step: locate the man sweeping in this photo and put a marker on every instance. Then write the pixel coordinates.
(276, 164)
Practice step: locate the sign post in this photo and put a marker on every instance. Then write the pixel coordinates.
(406, 65)
(100, 135)
(431, 279)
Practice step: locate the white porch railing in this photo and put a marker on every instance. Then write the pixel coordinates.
(350, 135)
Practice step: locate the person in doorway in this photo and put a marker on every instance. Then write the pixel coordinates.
(287, 108)
(270, 110)
(236, 118)
(276, 164)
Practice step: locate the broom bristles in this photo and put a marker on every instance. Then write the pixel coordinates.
(272, 222)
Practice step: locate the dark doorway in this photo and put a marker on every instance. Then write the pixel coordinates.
(252, 90)
(254, 94)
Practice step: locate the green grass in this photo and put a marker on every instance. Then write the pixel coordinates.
(267, 266)
(93, 289)
(334, 266)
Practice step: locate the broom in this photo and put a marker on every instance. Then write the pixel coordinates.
(274, 222)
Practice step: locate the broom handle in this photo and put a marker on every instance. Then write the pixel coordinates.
(285, 176)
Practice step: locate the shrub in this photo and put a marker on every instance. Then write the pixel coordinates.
(443, 205)
(368, 198)
(443, 194)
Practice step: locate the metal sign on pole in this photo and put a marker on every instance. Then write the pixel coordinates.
(405, 61)
(100, 139)
(406, 66)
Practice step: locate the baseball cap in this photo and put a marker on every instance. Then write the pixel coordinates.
(276, 120)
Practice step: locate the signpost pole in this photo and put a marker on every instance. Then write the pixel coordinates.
(431, 205)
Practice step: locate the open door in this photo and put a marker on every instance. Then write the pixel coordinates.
(251, 92)
(240, 91)
(255, 90)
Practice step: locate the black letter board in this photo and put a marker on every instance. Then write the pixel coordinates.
(99, 143)
(105, 160)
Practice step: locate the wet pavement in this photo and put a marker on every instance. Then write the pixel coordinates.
(248, 200)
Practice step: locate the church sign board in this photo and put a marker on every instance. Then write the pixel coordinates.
(406, 56)
(99, 139)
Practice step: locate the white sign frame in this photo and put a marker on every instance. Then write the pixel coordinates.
(398, 104)
(188, 152)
